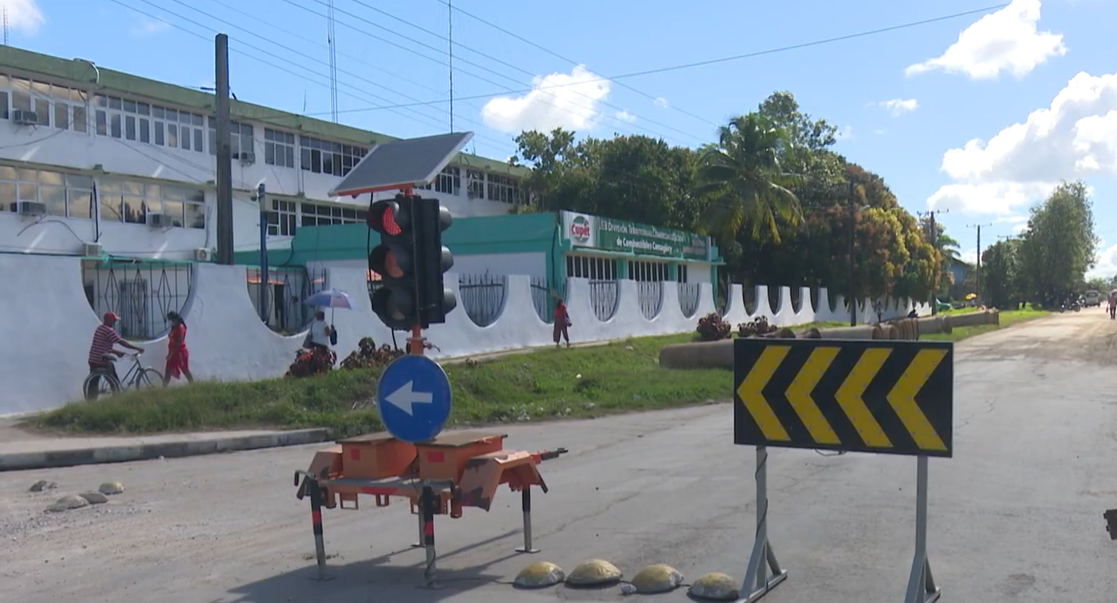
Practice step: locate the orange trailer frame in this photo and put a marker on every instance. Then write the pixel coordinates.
(441, 476)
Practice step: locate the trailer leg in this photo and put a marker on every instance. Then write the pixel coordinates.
(525, 497)
(418, 544)
(316, 520)
(427, 513)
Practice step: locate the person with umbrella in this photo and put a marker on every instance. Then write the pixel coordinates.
(324, 335)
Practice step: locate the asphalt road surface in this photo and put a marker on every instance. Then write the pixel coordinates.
(1016, 515)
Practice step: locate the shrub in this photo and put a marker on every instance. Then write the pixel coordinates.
(369, 356)
(758, 326)
(711, 327)
(315, 361)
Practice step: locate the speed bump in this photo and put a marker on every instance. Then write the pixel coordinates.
(595, 572)
(539, 575)
(714, 587)
(890, 397)
(657, 578)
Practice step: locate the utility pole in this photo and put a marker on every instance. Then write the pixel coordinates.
(224, 155)
(933, 237)
(852, 284)
(262, 199)
(978, 275)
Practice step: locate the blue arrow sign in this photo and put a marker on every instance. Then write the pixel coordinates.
(413, 398)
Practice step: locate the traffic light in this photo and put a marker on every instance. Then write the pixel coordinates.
(434, 259)
(394, 260)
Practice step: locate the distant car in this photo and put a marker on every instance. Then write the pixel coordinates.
(1092, 298)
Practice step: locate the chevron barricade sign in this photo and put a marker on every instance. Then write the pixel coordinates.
(886, 397)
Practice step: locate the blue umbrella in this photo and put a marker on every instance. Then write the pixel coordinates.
(331, 298)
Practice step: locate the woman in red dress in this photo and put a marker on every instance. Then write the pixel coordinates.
(178, 357)
(562, 323)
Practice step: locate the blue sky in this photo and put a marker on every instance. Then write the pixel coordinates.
(909, 102)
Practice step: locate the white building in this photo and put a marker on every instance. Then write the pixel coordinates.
(97, 161)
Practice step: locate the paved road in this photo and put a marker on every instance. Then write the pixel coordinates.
(1015, 516)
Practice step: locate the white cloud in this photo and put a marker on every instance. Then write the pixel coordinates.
(844, 133)
(899, 106)
(625, 116)
(563, 100)
(150, 27)
(1004, 41)
(23, 15)
(661, 102)
(1075, 137)
(1106, 266)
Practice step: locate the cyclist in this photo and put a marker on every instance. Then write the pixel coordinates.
(104, 338)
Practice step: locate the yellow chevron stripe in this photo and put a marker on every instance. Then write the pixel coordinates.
(902, 399)
(753, 398)
(799, 395)
(849, 397)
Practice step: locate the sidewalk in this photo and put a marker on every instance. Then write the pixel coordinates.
(21, 451)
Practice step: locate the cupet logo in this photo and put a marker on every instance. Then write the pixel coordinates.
(580, 229)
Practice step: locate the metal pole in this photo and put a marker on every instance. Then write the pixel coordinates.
(316, 520)
(757, 583)
(921, 584)
(852, 285)
(224, 180)
(935, 246)
(525, 498)
(261, 198)
(427, 504)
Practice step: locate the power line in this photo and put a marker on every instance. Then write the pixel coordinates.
(505, 63)
(504, 90)
(696, 64)
(273, 65)
(568, 60)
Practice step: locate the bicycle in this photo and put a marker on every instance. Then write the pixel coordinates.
(103, 380)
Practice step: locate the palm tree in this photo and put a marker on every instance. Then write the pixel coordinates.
(748, 185)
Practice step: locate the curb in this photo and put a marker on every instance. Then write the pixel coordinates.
(51, 459)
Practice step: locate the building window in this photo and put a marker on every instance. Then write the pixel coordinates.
(449, 181)
(325, 157)
(279, 148)
(314, 214)
(592, 267)
(647, 271)
(503, 189)
(282, 218)
(138, 121)
(681, 273)
(241, 138)
(475, 183)
(131, 201)
(65, 195)
(62, 107)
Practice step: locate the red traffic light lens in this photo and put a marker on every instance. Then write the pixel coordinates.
(388, 222)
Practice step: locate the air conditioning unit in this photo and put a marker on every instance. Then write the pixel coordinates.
(155, 220)
(247, 158)
(23, 117)
(31, 208)
(92, 250)
(201, 254)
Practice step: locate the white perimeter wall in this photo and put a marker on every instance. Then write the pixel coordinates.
(48, 323)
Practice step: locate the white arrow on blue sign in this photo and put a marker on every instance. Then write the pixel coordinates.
(413, 398)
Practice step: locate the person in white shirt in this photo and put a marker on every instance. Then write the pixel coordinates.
(320, 331)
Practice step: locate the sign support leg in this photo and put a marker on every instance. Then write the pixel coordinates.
(316, 520)
(921, 584)
(525, 497)
(418, 544)
(428, 502)
(757, 583)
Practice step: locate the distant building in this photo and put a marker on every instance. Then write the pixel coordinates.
(96, 162)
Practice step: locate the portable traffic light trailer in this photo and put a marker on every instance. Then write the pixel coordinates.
(440, 476)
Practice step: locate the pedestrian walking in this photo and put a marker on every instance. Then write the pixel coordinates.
(178, 357)
(562, 323)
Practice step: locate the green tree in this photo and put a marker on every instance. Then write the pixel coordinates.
(1000, 277)
(1059, 245)
(747, 184)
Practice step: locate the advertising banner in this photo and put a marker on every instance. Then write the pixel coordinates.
(607, 234)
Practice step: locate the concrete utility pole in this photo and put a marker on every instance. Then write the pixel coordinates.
(852, 284)
(933, 236)
(978, 275)
(224, 156)
(262, 199)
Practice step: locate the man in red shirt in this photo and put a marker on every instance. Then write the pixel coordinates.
(104, 338)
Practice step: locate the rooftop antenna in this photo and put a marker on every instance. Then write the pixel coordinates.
(450, 9)
(5, 26)
(333, 62)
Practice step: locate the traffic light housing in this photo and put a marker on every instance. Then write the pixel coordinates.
(411, 261)
(394, 260)
(435, 299)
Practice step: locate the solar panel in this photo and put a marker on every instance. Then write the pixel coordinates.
(400, 163)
